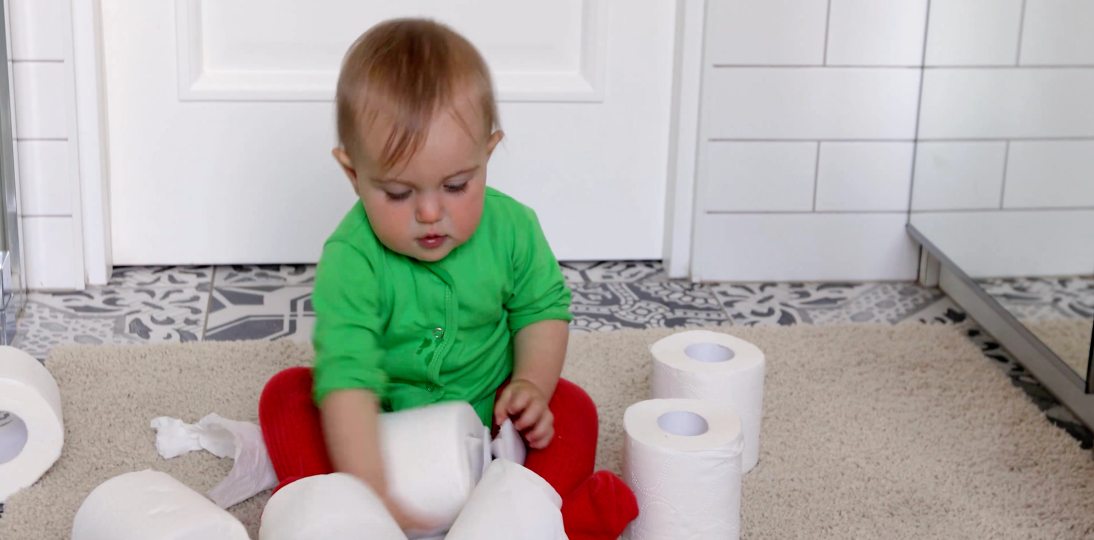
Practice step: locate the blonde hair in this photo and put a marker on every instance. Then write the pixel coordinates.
(409, 68)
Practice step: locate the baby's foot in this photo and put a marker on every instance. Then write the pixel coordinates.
(599, 508)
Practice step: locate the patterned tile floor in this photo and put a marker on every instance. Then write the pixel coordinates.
(162, 304)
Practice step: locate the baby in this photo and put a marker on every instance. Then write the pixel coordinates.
(435, 287)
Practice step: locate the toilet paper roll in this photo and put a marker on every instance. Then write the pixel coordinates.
(334, 506)
(682, 459)
(152, 505)
(510, 503)
(31, 425)
(433, 457)
(700, 364)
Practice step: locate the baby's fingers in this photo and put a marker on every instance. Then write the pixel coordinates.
(541, 435)
(501, 406)
(532, 415)
(518, 402)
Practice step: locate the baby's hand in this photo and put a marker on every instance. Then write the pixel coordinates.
(527, 406)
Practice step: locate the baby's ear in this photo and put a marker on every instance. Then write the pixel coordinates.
(343, 159)
(493, 141)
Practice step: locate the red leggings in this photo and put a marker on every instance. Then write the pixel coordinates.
(294, 435)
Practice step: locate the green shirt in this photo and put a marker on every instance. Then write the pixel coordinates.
(416, 332)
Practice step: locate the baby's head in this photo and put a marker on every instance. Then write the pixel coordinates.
(417, 123)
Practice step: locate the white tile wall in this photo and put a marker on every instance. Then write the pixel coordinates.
(1050, 174)
(866, 176)
(53, 256)
(40, 29)
(748, 247)
(772, 32)
(810, 103)
(758, 176)
(959, 175)
(1007, 103)
(45, 178)
(43, 100)
(45, 130)
(974, 32)
(873, 33)
(1038, 243)
(1058, 32)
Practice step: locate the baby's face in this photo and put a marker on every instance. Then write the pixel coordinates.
(427, 205)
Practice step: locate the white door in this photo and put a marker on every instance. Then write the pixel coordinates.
(220, 121)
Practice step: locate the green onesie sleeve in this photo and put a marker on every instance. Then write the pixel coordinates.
(539, 290)
(348, 320)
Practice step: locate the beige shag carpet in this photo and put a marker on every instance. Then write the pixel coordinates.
(869, 431)
(1068, 338)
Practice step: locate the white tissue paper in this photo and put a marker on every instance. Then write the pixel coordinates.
(682, 459)
(334, 506)
(509, 444)
(700, 364)
(510, 503)
(252, 472)
(151, 505)
(32, 430)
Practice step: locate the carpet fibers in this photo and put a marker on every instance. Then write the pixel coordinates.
(869, 431)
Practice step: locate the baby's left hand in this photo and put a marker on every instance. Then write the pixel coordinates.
(525, 403)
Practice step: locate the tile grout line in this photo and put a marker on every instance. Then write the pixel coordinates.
(827, 25)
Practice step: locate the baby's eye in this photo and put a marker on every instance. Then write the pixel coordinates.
(397, 196)
(455, 188)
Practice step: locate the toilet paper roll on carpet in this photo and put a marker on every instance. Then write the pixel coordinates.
(510, 503)
(334, 506)
(682, 459)
(701, 364)
(31, 424)
(152, 505)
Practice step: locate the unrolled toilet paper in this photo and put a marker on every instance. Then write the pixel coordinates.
(433, 457)
(510, 503)
(31, 424)
(151, 505)
(700, 364)
(251, 471)
(329, 506)
(682, 459)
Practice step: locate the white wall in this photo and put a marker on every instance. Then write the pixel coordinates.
(807, 137)
(46, 146)
(1004, 178)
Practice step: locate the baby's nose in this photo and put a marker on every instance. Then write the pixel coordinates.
(429, 210)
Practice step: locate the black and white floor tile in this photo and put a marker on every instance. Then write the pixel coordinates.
(752, 304)
(1070, 297)
(612, 271)
(266, 274)
(643, 304)
(260, 312)
(111, 315)
(162, 304)
(161, 276)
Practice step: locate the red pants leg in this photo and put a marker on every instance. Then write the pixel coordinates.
(292, 427)
(570, 457)
(594, 506)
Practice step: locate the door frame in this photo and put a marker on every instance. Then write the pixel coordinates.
(92, 139)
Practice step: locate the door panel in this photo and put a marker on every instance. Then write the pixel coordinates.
(220, 121)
